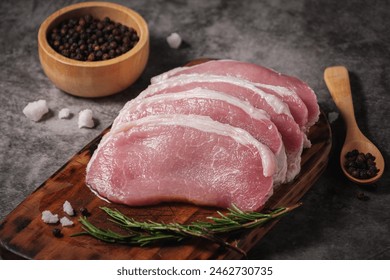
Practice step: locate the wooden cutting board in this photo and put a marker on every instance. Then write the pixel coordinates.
(24, 235)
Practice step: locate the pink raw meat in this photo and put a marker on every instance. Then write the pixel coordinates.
(218, 106)
(182, 158)
(290, 89)
(292, 136)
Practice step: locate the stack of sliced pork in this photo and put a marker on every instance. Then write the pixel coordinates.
(218, 133)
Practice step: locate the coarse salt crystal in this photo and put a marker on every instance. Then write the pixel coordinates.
(64, 113)
(85, 119)
(35, 110)
(49, 218)
(174, 40)
(65, 222)
(68, 209)
(332, 116)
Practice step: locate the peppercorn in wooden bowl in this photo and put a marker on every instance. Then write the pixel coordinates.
(95, 67)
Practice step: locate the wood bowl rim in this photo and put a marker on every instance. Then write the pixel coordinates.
(49, 51)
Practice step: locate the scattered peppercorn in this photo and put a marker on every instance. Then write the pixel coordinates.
(84, 212)
(90, 39)
(360, 165)
(362, 196)
(57, 232)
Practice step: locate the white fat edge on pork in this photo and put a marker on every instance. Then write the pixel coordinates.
(255, 113)
(294, 164)
(283, 91)
(314, 119)
(275, 102)
(206, 124)
(168, 79)
(197, 92)
(168, 74)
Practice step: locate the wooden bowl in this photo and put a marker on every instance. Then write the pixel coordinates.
(96, 78)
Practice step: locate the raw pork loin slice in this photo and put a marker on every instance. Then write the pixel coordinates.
(217, 133)
(292, 90)
(184, 158)
(218, 106)
(293, 137)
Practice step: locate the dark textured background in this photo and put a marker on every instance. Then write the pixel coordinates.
(299, 38)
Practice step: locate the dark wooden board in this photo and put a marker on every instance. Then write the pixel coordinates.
(24, 235)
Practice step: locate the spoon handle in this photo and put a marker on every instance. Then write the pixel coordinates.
(337, 81)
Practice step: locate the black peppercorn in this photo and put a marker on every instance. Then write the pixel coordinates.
(91, 57)
(111, 53)
(65, 52)
(89, 39)
(360, 158)
(362, 196)
(82, 22)
(84, 212)
(360, 165)
(113, 45)
(355, 173)
(88, 18)
(57, 232)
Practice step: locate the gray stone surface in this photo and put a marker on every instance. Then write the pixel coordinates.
(299, 38)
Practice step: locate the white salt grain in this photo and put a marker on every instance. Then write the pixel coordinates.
(85, 119)
(174, 40)
(49, 218)
(65, 222)
(64, 113)
(35, 110)
(68, 209)
(332, 116)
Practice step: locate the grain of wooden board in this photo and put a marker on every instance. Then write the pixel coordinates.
(23, 235)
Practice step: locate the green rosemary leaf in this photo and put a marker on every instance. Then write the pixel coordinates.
(149, 232)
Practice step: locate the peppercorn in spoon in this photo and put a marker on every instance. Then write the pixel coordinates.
(358, 154)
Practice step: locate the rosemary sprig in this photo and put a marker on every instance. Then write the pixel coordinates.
(146, 233)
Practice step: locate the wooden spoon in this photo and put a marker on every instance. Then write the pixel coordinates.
(337, 80)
